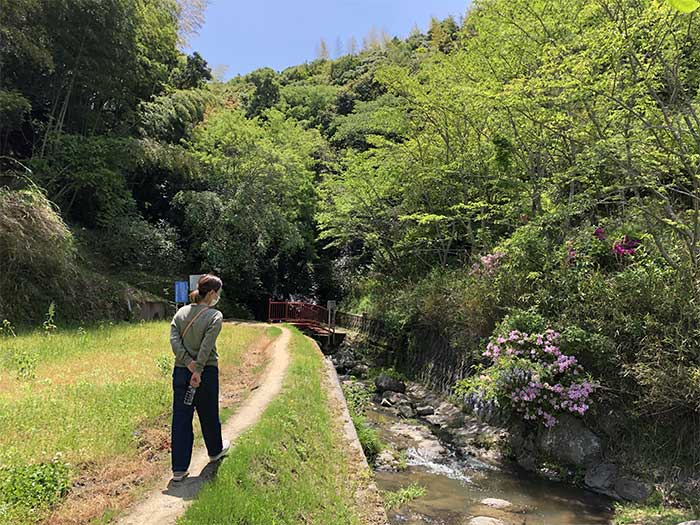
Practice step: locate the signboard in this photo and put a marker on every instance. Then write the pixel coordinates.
(181, 291)
(194, 279)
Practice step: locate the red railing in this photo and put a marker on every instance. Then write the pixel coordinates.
(296, 312)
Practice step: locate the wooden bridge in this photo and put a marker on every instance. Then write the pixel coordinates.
(312, 318)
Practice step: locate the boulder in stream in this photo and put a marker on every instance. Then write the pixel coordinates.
(496, 503)
(418, 438)
(484, 520)
(446, 416)
(631, 489)
(601, 477)
(386, 460)
(384, 382)
(406, 411)
(569, 442)
(395, 398)
(344, 361)
(425, 410)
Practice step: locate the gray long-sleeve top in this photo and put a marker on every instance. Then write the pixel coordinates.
(199, 343)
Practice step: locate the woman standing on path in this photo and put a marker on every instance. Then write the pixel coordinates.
(193, 334)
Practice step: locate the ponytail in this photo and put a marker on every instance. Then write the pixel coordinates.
(206, 284)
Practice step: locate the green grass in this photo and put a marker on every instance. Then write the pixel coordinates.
(394, 499)
(369, 437)
(288, 469)
(358, 398)
(89, 393)
(273, 332)
(646, 514)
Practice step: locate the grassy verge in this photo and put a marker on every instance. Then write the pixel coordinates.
(84, 400)
(290, 468)
(648, 514)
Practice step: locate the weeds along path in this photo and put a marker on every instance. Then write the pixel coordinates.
(168, 500)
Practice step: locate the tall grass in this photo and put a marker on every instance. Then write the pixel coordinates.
(290, 468)
(90, 394)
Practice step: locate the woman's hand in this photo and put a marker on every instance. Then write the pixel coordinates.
(196, 379)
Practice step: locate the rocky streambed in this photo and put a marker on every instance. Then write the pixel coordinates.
(456, 458)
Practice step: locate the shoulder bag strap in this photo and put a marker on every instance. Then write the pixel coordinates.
(187, 328)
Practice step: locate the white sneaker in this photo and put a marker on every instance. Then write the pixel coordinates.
(224, 451)
(179, 476)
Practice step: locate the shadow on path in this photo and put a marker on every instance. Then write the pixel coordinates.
(188, 488)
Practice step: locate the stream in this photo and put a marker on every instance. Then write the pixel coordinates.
(457, 484)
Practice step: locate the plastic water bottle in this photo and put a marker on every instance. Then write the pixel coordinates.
(189, 395)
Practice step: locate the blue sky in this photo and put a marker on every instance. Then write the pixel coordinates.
(246, 35)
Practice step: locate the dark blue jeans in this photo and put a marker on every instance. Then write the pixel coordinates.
(206, 401)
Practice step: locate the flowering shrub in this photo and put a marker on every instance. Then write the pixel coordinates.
(626, 247)
(531, 377)
(488, 264)
(612, 251)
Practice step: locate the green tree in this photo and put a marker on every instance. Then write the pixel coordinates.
(266, 91)
(253, 223)
(194, 73)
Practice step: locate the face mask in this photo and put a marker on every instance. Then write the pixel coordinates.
(213, 303)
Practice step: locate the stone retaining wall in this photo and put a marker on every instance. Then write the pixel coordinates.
(428, 357)
(422, 354)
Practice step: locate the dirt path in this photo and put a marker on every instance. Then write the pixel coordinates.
(168, 501)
